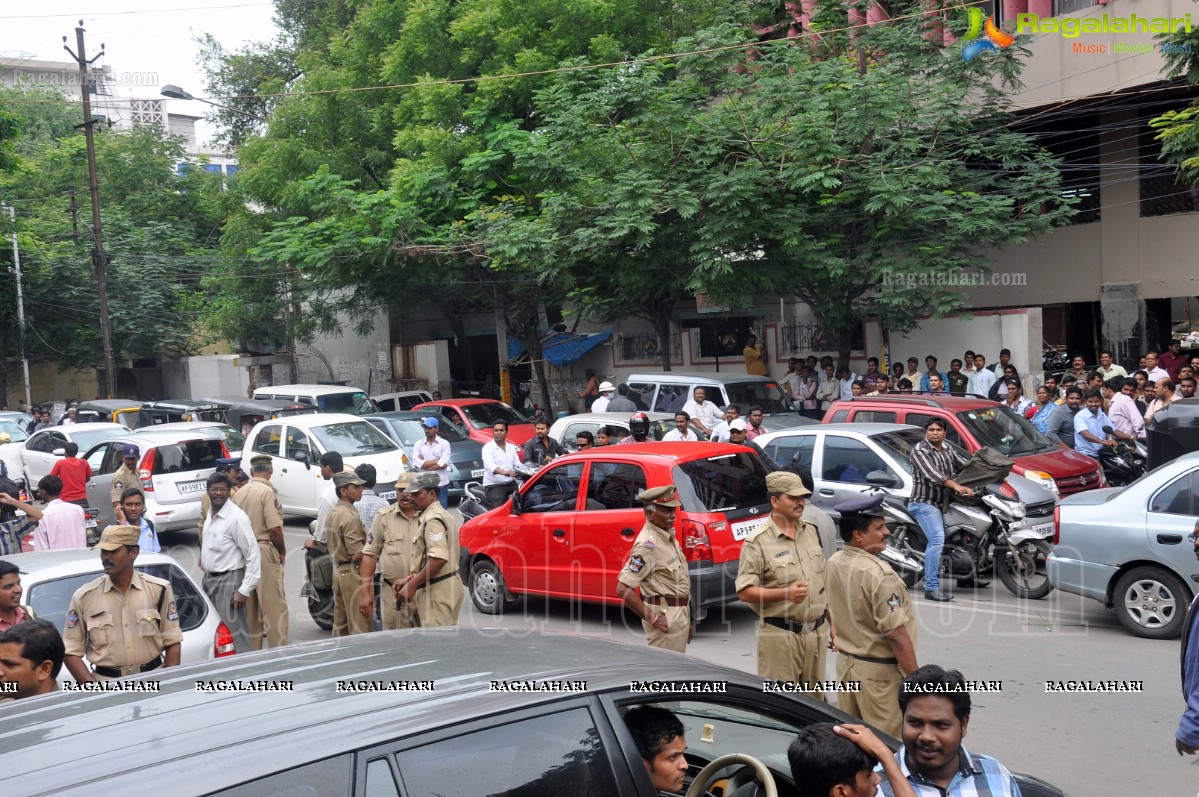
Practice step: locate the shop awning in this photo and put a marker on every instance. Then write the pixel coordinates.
(561, 348)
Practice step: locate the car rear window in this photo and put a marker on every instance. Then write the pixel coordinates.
(51, 599)
(722, 483)
(186, 456)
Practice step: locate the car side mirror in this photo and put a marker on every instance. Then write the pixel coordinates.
(517, 503)
(880, 478)
(302, 456)
(60, 452)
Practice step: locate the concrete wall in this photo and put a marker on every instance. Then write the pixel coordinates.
(48, 383)
(196, 377)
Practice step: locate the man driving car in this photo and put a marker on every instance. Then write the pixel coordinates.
(659, 736)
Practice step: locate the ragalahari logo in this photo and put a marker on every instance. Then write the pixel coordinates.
(995, 38)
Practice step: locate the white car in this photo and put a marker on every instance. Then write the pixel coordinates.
(401, 402)
(295, 444)
(50, 578)
(45, 448)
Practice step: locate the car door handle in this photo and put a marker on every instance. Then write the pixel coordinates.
(1169, 539)
(829, 493)
(559, 534)
(627, 532)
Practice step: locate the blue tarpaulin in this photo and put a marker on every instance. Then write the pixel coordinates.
(562, 348)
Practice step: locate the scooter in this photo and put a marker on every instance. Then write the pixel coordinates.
(318, 582)
(474, 499)
(978, 539)
(1123, 464)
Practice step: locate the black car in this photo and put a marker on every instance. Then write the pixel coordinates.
(405, 430)
(453, 712)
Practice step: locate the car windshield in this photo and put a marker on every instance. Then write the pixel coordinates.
(722, 483)
(14, 430)
(357, 403)
(88, 439)
(352, 439)
(411, 431)
(482, 416)
(1004, 430)
(767, 394)
(234, 440)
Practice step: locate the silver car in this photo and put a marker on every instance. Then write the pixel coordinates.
(50, 578)
(841, 454)
(45, 447)
(1127, 547)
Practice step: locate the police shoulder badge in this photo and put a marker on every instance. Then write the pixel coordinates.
(72, 618)
(894, 602)
(636, 563)
(649, 543)
(172, 612)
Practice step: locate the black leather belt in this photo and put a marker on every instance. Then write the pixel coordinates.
(120, 672)
(871, 659)
(669, 600)
(441, 578)
(795, 628)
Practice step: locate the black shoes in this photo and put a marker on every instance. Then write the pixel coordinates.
(966, 583)
(939, 595)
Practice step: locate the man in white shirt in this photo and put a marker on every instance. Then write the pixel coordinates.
(230, 559)
(982, 379)
(703, 412)
(1122, 411)
(1152, 369)
(500, 459)
(326, 497)
(606, 389)
(720, 432)
(682, 431)
(433, 454)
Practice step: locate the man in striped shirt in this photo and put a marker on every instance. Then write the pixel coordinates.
(933, 467)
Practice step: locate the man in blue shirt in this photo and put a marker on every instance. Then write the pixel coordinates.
(131, 512)
(1186, 738)
(1089, 436)
(936, 710)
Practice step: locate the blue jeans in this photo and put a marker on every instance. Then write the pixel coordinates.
(443, 495)
(930, 520)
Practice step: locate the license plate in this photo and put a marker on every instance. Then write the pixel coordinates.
(745, 527)
(476, 474)
(1044, 529)
(187, 488)
(90, 523)
(386, 495)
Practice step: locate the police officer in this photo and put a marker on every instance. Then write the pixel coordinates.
(658, 566)
(266, 611)
(876, 625)
(124, 622)
(395, 537)
(435, 588)
(126, 475)
(346, 539)
(781, 577)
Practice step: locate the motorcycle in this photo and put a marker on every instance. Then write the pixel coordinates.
(1123, 464)
(993, 536)
(318, 581)
(474, 501)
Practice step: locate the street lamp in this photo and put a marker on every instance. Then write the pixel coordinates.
(177, 93)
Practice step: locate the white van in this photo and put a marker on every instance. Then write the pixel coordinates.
(668, 391)
(326, 398)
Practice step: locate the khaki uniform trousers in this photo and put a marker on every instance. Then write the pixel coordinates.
(678, 619)
(266, 608)
(393, 618)
(878, 701)
(786, 656)
(347, 619)
(438, 604)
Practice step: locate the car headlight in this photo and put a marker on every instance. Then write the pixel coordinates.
(1044, 479)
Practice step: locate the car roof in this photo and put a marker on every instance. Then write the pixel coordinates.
(182, 426)
(459, 402)
(54, 564)
(171, 402)
(152, 437)
(397, 415)
(108, 404)
(667, 453)
(856, 428)
(953, 403)
(613, 417)
(316, 390)
(85, 427)
(687, 377)
(401, 393)
(310, 420)
(188, 737)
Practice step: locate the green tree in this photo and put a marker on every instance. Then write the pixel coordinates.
(1177, 130)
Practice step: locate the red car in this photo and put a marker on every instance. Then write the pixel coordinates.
(567, 532)
(478, 415)
(973, 423)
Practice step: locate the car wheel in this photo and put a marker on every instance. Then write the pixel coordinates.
(488, 592)
(322, 612)
(1151, 602)
(1022, 570)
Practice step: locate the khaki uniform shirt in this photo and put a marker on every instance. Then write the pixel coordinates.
(123, 479)
(439, 534)
(868, 601)
(771, 560)
(115, 630)
(347, 535)
(657, 564)
(259, 500)
(395, 543)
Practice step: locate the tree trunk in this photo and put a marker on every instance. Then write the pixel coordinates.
(466, 349)
(662, 326)
(4, 366)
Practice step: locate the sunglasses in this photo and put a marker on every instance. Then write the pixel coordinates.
(1193, 536)
(584, 444)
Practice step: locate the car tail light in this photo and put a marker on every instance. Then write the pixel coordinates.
(1102, 478)
(697, 545)
(1057, 525)
(146, 469)
(223, 641)
(24, 496)
(1008, 491)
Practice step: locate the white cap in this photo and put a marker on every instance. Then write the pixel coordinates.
(606, 387)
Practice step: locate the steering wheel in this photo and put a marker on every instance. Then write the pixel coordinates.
(705, 776)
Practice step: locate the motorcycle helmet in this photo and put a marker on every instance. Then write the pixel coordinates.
(639, 425)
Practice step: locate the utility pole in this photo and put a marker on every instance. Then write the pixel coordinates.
(16, 270)
(98, 257)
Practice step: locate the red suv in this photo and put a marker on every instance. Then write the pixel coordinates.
(973, 423)
(568, 530)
